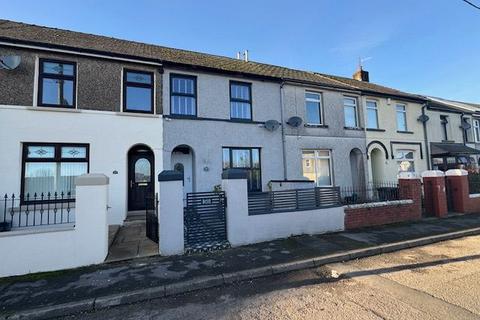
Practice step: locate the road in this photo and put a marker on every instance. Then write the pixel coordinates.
(440, 281)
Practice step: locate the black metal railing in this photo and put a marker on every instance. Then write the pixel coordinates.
(19, 211)
(474, 183)
(372, 192)
(293, 200)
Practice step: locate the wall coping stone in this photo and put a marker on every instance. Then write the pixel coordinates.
(378, 204)
(475, 195)
(170, 175)
(432, 173)
(456, 172)
(408, 175)
(92, 179)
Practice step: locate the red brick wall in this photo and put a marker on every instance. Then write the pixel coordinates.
(371, 215)
(461, 195)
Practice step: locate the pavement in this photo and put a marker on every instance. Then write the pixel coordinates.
(102, 286)
(436, 281)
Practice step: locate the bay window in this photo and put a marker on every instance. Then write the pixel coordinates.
(52, 168)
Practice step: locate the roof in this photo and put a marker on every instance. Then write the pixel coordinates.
(458, 106)
(451, 149)
(39, 35)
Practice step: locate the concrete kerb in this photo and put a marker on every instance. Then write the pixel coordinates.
(227, 278)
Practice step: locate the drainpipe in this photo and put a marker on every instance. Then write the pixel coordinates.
(464, 133)
(284, 155)
(425, 136)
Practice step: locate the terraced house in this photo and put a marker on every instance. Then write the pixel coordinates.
(80, 103)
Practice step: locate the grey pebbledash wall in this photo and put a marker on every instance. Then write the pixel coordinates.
(332, 136)
(207, 137)
(99, 81)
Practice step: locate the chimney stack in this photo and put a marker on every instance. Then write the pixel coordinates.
(361, 75)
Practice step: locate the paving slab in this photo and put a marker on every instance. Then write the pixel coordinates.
(153, 273)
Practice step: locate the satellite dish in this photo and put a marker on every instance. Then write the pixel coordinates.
(465, 125)
(9, 62)
(272, 125)
(295, 121)
(423, 118)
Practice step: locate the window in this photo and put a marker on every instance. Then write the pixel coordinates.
(137, 91)
(401, 117)
(247, 159)
(183, 95)
(444, 125)
(57, 83)
(372, 115)
(52, 168)
(350, 110)
(317, 167)
(405, 160)
(313, 108)
(240, 101)
(476, 130)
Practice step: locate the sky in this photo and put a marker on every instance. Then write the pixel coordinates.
(428, 47)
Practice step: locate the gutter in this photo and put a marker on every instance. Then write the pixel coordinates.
(425, 136)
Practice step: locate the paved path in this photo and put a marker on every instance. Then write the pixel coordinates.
(55, 288)
(440, 281)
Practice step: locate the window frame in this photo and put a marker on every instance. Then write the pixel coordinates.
(320, 107)
(249, 101)
(194, 95)
(404, 112)
(57, 158)
(317, 156)
(42, 75)
(251, 168)
(403, 158)
(376, 113)
(126, 84)
(476, 130)
(357, 125)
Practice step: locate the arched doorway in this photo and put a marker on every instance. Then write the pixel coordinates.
(357, 169)
(140, 176)
(182, 161)
(377, 159)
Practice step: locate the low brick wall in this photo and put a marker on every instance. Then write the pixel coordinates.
(462, 200)
(473, 205)
(380, 213)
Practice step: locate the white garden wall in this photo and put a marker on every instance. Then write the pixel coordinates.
(56, 247)
(243, 229)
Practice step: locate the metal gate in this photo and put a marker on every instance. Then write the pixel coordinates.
(205, 222)
(151, 218)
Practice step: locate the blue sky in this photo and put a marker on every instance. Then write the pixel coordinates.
(428, 46)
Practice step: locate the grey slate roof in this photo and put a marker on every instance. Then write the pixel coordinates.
(14, 31)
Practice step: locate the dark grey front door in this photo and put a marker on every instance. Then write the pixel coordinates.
(140, 179)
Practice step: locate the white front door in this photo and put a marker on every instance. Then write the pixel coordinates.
(183, 162)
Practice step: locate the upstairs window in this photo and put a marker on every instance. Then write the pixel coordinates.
(313, 108)
(137, 91)
(401, 117)
(57, 83)
(52, 167)
(183, 95)
(372, 115)
(476, 130)
(350, 110)
(444, 125)
(240, 100)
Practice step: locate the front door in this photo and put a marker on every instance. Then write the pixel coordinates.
(140, 179)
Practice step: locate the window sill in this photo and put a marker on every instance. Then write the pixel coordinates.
(307, 125)
(353, 128)
(241, 120)
(137, 114)
(376, 130)
(182, 116)
(406, 132)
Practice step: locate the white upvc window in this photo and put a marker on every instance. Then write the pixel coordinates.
(372, 114)
(313, 108)
(401, 117)
(317, 166)
(476, 130)
(350, 111)
(405, 160)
